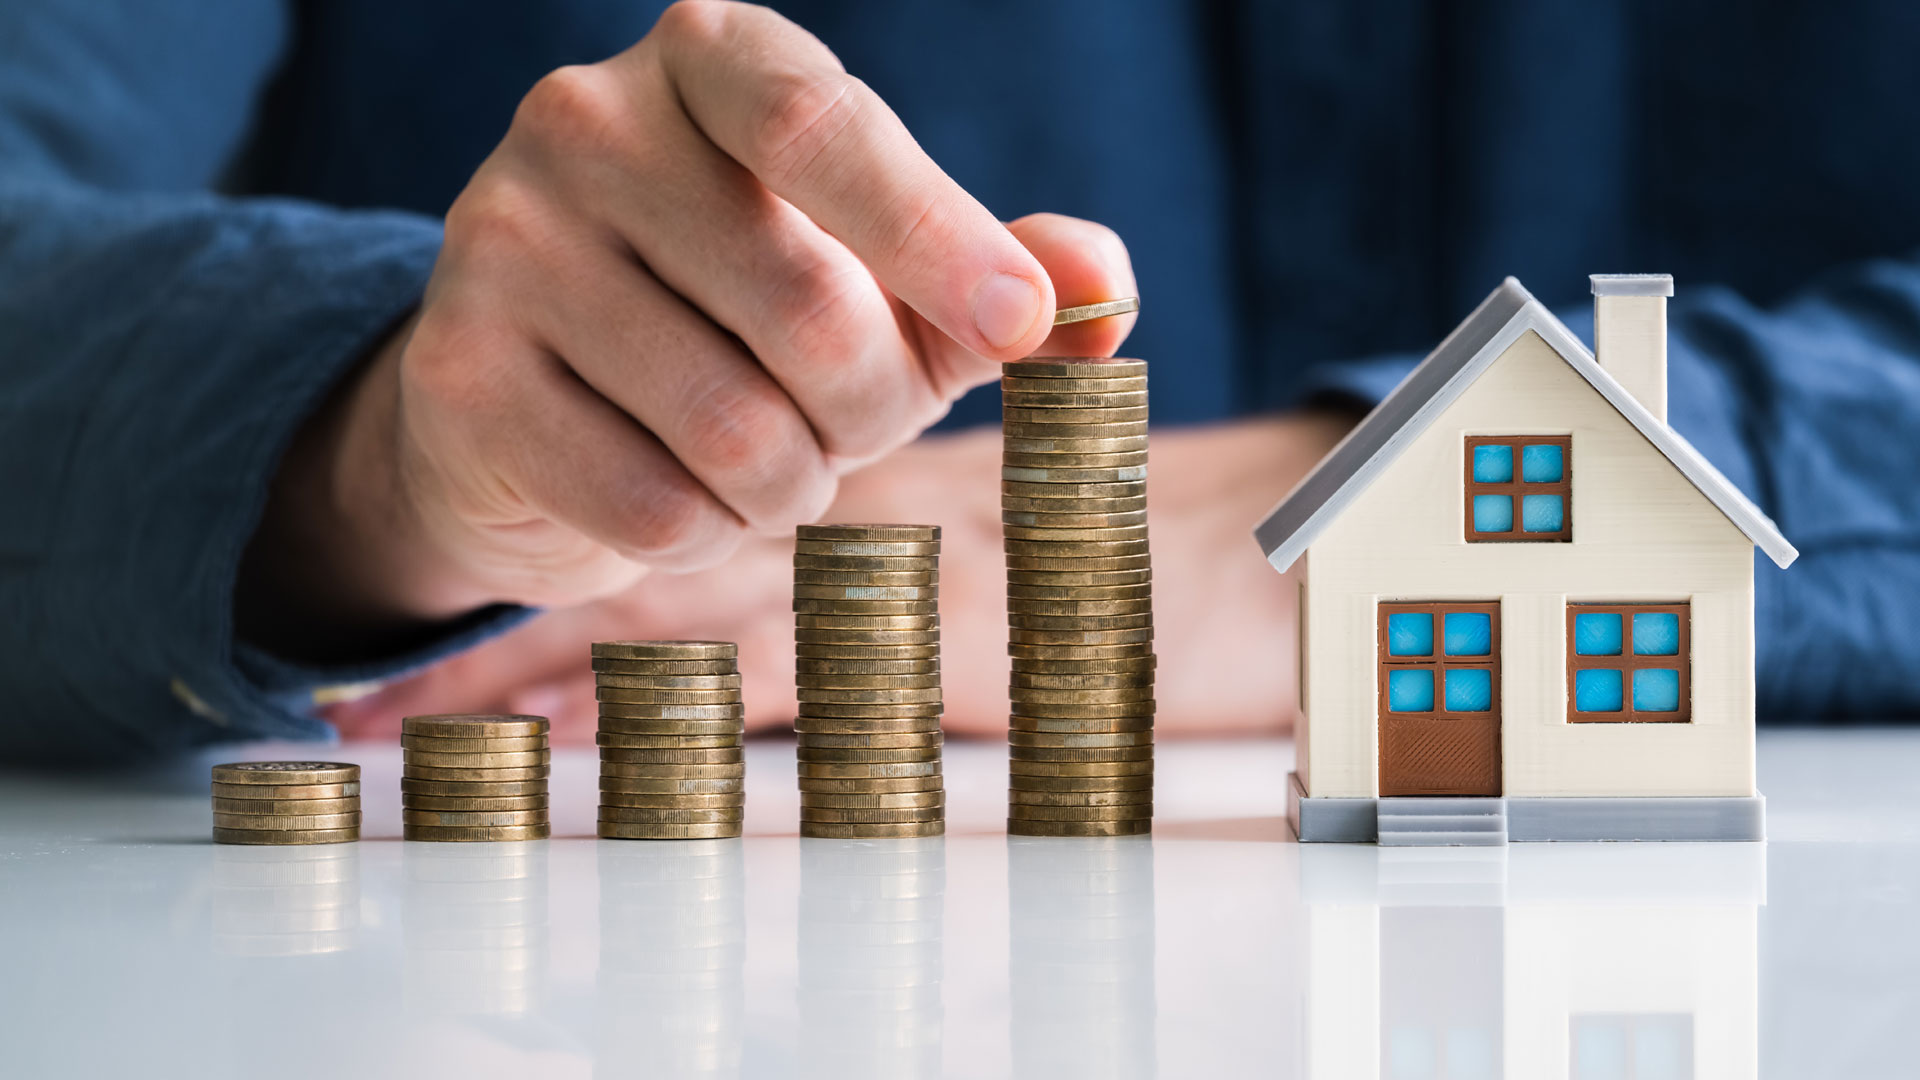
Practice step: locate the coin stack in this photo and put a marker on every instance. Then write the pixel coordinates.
(671, 724)
(1079, 597)
(474, 777)
(867, 648)
(286, 802)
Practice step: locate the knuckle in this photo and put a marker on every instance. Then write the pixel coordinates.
(495, 217)
(740, 431)
(574, 109)
(447, 362)
(695, 21)
(796, 118)
(666, 518)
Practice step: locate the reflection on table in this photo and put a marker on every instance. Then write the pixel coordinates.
(475, 917)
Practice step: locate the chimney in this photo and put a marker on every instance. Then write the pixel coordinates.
(1630, 334)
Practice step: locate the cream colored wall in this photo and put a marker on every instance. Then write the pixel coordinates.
(1641, 532)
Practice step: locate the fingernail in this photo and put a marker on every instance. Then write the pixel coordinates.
(1004, 309)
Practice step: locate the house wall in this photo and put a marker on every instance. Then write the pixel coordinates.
(1641, 532)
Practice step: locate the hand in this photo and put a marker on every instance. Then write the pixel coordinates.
(1225, 620)
(693, 286)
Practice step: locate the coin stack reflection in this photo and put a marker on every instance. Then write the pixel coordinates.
(867, 663)
(475, 928)
(286, 802)
(1081, 965)
(1079, 597)
(871, 941)
(673, 946)
(671, 723)
(474, 777)
(299, 902)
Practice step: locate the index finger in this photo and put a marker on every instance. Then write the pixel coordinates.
(775, 99)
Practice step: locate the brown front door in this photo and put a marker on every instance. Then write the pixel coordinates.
(1440, 698)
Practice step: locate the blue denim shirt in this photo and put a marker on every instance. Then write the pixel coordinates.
(210, 208)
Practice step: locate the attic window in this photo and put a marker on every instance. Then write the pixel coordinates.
(1519, 488)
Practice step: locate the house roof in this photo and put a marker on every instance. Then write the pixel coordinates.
(1443, 376)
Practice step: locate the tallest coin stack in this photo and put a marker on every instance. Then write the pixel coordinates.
(1079, 597)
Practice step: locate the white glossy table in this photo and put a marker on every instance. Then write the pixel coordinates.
(133, 947)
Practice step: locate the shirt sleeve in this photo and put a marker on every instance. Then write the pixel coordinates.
(159, 347)
(1810, 407)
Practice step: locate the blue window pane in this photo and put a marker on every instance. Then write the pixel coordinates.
(1656, 690)
(1541, 513)
(1596, 635)
(1469, 633)
(1596, 690)
(1493, 464)
(1469, 690)
(1492, 513)
(1541, 464)
(1656, 633)
(1410, 634)
(1410, 691)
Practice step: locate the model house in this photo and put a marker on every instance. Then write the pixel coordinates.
(1526, 604)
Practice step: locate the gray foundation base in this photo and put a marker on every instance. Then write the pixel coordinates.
(1706, 818)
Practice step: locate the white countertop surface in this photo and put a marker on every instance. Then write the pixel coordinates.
(135, 948)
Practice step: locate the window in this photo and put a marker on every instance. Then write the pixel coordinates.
(1519, 488)
(1629, 663)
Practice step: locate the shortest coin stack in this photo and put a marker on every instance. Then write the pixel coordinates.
(286, 802)
(671, 723)
(474, 777)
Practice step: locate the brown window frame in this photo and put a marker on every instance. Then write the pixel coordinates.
(1517, 488)
(1438, 660)
(1629, 662)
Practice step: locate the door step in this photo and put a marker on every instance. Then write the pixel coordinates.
(1442, 822)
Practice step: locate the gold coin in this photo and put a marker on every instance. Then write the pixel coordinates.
(1139, 605)
(1073, 461)
(301, 773)
(870, 785)
(817, 814)
(867, 623)
(1113, 505)
(464, 790)
(806, 605)
(642, 740)
(1119, 384)
(1130, 519)
(1090, 534)
(868, 638)
(1068, 740)
(882, 549)
(474, 746)
(615, 775)
(1074, 448)
(1079, 828)
(857, 710)
(878, 770)
(707, 683)
(474, 726)
(635, 695)
(521, 760)
(1131, 489)
(647, 748)
(867, 667)
(827, 650)
(1059, 652)
(666, 650)
(659, 800)
(831, 830)
(1079, 368)
(1100, 710)
(1020, 426)
(430, 802)
(842, 755)
(836, 531)
(836, 593)
(905, 741)
(1034, 782)
(867, 564)
(1022, 767)
(473, 818)
(1029, 475)
(1079, 630)
(286, 792)
(636, 785)
(1027, 401)
(1080, 754)
(285, 807)
(1082, 695)
(719, 830)
(810, 726)
(1103, 309)
(1082, 550)
(1021, 797)
(1022, 680)
(1081, 725)
(898, 800)
(1079, 592)
(1101, 812)
(723, 771)
(624, 714)
(816, 681)
(677, 756)
(476, 833)
(919, 578)
(477, 776)
(285, 836)
(1124, 665)
(346, 820)
(904, 696)
(611, 666)
(630, 815)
